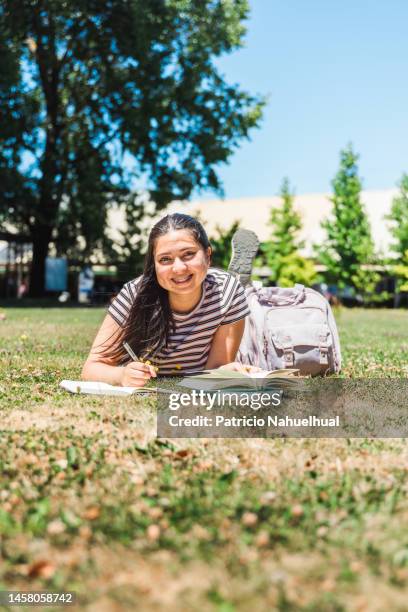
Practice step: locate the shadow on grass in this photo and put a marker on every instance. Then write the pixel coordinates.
(47, 302)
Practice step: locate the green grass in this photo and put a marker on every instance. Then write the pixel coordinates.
(374, 342)
(91, 501)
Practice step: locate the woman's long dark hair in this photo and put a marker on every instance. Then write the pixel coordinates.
(150, 319)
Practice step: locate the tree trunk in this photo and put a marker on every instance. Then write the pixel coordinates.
(41, 241)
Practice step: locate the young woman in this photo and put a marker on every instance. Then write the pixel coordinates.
(179, 316)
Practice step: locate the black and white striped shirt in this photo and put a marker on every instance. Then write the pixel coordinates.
(223, 301)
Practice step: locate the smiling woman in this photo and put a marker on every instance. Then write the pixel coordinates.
(180, 315)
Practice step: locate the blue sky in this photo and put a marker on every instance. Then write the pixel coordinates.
(336, 72)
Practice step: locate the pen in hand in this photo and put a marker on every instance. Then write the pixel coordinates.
(134, 357)
(130, 352)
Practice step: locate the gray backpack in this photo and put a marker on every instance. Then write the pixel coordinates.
(290, 328)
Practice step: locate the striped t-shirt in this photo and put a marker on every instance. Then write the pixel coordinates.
(222, 301)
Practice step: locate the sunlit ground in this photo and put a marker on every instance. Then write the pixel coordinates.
(91, 501)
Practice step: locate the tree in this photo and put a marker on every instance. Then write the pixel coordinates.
(100, 97)
(281, 252)
(348, 250)
(296, 269)
(399, 217)
(399, 230)
(134, 236)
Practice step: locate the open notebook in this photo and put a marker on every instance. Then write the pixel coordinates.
(230, 379)
(101, 388)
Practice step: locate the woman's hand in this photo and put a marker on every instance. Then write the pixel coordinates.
(136, 374)
(240, 367)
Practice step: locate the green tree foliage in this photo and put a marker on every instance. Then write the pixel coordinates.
(97, 98)
(348, 250)
(296, 269)
(133, 243)
(281, 252)
(399, 230)
(221, 245)
(401, 272)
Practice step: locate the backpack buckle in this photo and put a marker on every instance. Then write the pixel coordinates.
(288, 357)
(324, 355)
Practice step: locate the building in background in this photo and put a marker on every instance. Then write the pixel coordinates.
(15, 257)
(252, 213)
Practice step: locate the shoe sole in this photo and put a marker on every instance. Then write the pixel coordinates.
(245, 246)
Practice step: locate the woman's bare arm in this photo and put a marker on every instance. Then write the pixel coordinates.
(102, 368)
(225, 347)
(225, 344)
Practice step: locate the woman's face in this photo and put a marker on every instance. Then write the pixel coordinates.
(181, 262)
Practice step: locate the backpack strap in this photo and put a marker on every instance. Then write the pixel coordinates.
(288, 353)
(323, 349)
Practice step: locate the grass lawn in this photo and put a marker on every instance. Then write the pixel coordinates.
(91, 501)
